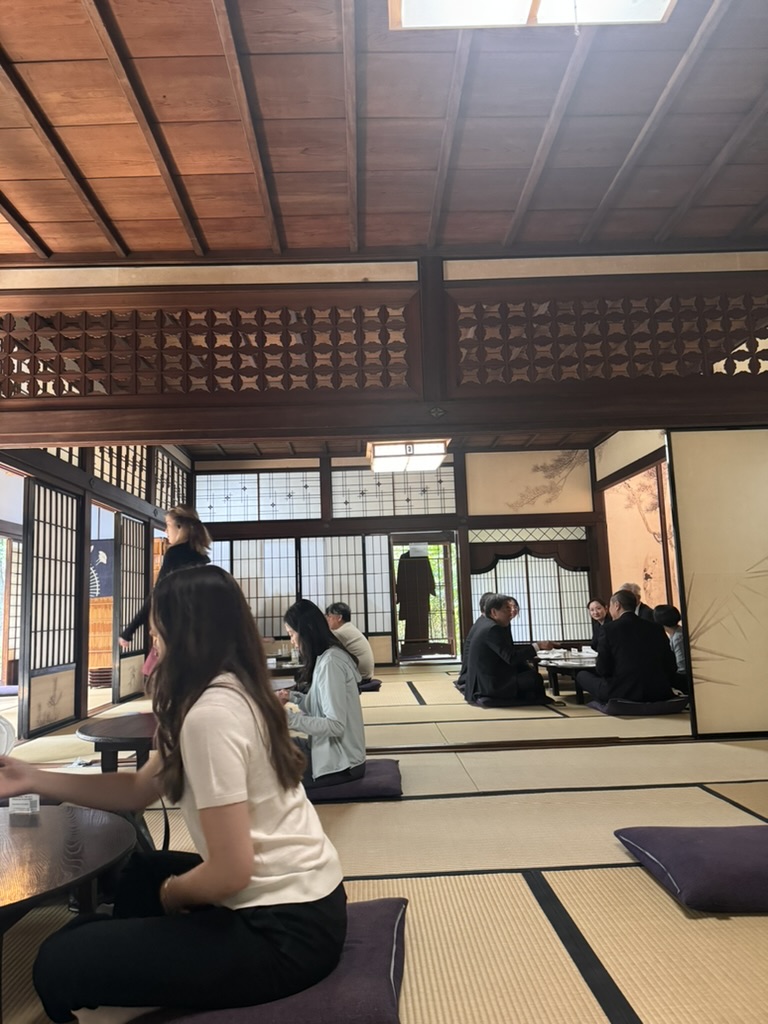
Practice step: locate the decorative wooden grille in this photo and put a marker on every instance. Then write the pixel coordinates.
(70, 455)
(604, 339)
(171, 481)
(53, 579)
(124, 466)
(133, 584)
(154, 352)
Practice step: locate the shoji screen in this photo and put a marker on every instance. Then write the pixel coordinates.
(133, 590)
(50, 595)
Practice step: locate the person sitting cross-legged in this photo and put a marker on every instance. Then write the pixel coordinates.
(499, 672)
(634, 659)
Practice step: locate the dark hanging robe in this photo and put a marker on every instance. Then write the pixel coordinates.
(414, 587)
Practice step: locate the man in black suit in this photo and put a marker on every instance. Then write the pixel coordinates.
(461, 682)
(499, 673)
(634, 659)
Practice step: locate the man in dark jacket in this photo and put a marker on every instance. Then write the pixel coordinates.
(634, 659)
(461, 682)
(499, 671)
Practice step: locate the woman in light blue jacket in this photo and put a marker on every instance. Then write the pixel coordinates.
(329, 712)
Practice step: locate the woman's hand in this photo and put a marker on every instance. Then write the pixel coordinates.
(125, 644)
(17, 777)
(284, 696)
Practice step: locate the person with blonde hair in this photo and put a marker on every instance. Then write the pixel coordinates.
(188, 544)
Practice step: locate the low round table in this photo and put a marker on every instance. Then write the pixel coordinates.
(65, 849)
(135, 732)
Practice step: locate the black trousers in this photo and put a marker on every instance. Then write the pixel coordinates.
(332, 778)
(211, 958)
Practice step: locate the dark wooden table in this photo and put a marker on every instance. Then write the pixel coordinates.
(65, 850)
(109, 736)
(568, 667)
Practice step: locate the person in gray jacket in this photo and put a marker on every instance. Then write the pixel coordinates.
(329, 712)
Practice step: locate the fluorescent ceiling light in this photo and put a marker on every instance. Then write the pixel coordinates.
(406, 456)
(516, 13)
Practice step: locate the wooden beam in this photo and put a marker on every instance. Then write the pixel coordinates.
(755, 215)
(55, 148)
(552, 127)
(679, 76)
(232, 57)
(742, 132)
(458, 74)
(21, 226)
(111, 39)
(349, 53)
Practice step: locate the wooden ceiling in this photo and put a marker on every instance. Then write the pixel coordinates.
(189, 130)
(341, 447)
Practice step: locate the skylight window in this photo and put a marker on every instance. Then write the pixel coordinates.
(515, 13)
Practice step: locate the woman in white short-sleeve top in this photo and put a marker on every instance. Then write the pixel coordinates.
(259, 912)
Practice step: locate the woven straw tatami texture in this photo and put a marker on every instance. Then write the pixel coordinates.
(752, 795)
(673, 965)
(508, 832)
(20, 945)
(480, 951)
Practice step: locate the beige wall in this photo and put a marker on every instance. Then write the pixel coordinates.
(535, 483)
(624, 448)
(721, 495)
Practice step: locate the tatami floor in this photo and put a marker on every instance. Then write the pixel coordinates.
(524, 907)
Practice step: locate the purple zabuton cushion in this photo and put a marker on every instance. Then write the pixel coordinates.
(381, 782)
(717, 870)
(364, 988)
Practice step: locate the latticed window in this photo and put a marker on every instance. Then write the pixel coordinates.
(124, 466)
(171, 482)
(361, 492)
(70, 455)
(258, 495)
(553, 600)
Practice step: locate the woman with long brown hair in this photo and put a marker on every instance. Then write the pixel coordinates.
(261, 912)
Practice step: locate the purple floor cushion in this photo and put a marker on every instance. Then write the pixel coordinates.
(617, 706)
(364, 988)
(381, 782)
(369, 686)
(717, 870)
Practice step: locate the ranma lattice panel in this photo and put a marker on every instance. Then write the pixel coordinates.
(153, 352)
(605, 339)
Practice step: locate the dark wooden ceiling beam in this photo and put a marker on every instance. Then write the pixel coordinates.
(756, 214)
(458, 74)
(552, 127)
(111, 39)
(669, 94)
(232, 57)
(21, 227)
(349, 54)
(47, 136)
(742, 133)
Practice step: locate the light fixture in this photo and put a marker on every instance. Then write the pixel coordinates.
(406, 456)
(517, 13)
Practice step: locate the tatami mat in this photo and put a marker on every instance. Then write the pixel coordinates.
(416, 735)
(20, 945)
(480, 951)
(438, 691)
(674, 966)
(632, 765)
(554, 727)
(462, 712)
(434, 773)
(508, 832)
(392, 693)
(752, 795)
